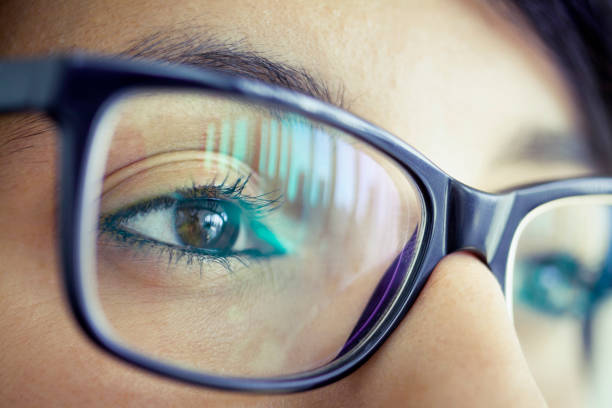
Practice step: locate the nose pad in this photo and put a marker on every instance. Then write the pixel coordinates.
(477, 254)
(455, 345)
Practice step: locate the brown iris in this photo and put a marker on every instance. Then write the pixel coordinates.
(207, 224)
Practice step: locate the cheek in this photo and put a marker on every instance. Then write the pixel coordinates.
(51, 364)
(46, 361)
(37, 340)
(247, 322)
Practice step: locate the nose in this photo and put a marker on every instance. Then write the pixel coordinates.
(455, 347)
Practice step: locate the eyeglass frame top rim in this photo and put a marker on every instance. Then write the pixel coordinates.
(72, 89)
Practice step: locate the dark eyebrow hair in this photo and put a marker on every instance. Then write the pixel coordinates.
(193, 47)
(548, 146)
(197, 47)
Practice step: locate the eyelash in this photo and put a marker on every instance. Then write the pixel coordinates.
(255, 207)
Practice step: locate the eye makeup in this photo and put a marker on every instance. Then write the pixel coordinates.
(246, 212)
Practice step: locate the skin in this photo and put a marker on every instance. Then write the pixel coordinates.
(451, 74)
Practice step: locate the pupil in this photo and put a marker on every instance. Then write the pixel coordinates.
(207, 225)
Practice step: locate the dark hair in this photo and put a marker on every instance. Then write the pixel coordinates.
(578, 33)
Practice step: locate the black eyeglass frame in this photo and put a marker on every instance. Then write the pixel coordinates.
(73, 89)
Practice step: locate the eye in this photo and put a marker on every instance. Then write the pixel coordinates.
(208, 224)
(553, 284)
(203, 226)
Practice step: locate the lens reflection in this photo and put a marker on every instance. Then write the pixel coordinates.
(562, 282)
(243, 240)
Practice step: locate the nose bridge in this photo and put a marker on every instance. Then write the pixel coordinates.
(476, 220)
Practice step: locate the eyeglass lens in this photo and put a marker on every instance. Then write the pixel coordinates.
(562, 297)
(241, 239)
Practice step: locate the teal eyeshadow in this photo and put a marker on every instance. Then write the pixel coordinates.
(264, 234)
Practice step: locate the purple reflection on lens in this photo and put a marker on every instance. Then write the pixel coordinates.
(382, 296)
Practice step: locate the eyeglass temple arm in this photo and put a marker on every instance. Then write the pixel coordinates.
(28, 84)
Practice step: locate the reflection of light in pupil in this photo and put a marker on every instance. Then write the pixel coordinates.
(212, 225)
(200, 227)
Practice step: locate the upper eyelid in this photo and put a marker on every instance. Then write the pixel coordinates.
(168, 200)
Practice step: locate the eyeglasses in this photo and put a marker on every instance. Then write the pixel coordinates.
(234, 234)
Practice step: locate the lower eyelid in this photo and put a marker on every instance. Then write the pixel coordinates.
(158, 265)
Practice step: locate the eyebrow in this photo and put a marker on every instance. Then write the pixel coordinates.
(194, 47)
(549, 146)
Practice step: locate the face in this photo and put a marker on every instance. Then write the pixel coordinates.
(450, 78)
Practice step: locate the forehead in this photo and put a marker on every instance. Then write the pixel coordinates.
(455, 79)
